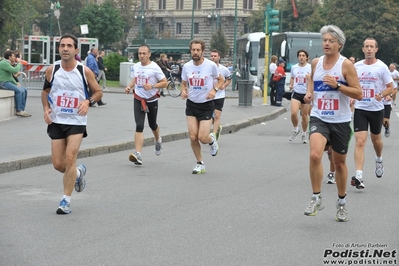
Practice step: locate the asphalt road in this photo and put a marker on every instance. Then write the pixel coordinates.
(247, 209)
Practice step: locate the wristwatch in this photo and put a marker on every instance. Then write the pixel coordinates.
(216, 89)
(338, 86)
(153, 86)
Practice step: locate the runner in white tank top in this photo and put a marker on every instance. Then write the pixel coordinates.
(65, 103)
(332, 83)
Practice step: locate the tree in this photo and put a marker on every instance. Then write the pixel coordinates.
(219, 42)
(104, 22)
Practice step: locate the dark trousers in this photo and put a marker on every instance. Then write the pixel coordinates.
(280, 92)
(273, 95)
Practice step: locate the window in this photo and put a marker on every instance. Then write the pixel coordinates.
(219, 3)
(246, 28)
(161, 27)
(199, 4)
(179, 4)
(248, 4)
(162, 4)
(178, 28)
(196, 28)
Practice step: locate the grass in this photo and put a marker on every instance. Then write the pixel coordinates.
(112, 83)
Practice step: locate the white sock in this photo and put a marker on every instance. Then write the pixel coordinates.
(378, 159)
(67, 198)
(359, 174)
(296, 129)
(78, 173)
(317, 196)
(342, 201)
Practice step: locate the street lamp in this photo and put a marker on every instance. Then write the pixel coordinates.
(192, 19)
(141, 13)
(54, 8)
(218, 26)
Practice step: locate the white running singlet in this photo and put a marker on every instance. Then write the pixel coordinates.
(394, 75)
(299, 74)
(373, 80)
(142, 75)
(199, 79)
(329, 104)
(67, 91)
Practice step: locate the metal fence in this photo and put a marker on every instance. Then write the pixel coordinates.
(34, 75)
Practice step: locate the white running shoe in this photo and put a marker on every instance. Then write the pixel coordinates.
(214, 145)
(136, 158)
(379, 169)
(158, 147)
(199, 169)
(294, 135)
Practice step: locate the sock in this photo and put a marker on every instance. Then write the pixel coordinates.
(333, 173)
(201, 162)
(341, 200)
(67, 198)
(296, 129)
(317, 195)
(304, 133)
(210, 143)
(378, 159)
(359, 174)
(77, 173)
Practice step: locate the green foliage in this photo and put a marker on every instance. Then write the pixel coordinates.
(112, 63)
(219, 42)
(104, 22)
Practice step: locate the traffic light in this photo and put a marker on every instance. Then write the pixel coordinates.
(274, 20)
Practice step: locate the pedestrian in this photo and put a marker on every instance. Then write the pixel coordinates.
(148, 78)
(387, 115)
(376, 83)
(166, 69)
(272, 85)
(221, 94)
(101, 70)
(91, 63)
(331, 85)
(9, 70)
(279, 79)
(66, 101)
(199, 91)
(298, 85)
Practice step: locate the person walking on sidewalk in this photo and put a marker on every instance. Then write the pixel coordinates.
(298, 85)
(148, 78)
(333, 81)
(279, 79)
(220, 94)
(199, 91)
(66, 101)
(91, 63)
(166, 69)
(377, 83)
(101, 71)
(9, 67)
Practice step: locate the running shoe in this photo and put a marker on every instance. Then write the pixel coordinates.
(304, 138)
(387, 132)
(314, 206)
(80, 183)
(379, 169)
(214, 145)
(136, 158)
(199, 169)
(218, 133)
(342, 213)
(330, 178)
(64, 208)
(357, 182)
(158, 147)
(294, 135)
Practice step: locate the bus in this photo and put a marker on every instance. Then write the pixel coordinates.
(285, 45)
(247, 55)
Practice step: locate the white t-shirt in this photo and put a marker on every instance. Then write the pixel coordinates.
(224, 71)
(272, 68)
(299, 73)
(150, 73)
(394, 75)
(200, 79)
(373, 80)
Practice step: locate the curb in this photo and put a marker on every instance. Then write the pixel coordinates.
(227, 129)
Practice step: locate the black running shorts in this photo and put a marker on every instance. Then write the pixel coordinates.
(202, 111)
(61, 131)
(362, 119)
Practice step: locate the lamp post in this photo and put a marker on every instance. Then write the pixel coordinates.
(218, 18)
(141, 14)
(213, 14)
(192, 19)
(51, 17)
(235, 46)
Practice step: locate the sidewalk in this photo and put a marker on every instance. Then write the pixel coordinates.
(24, 142)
